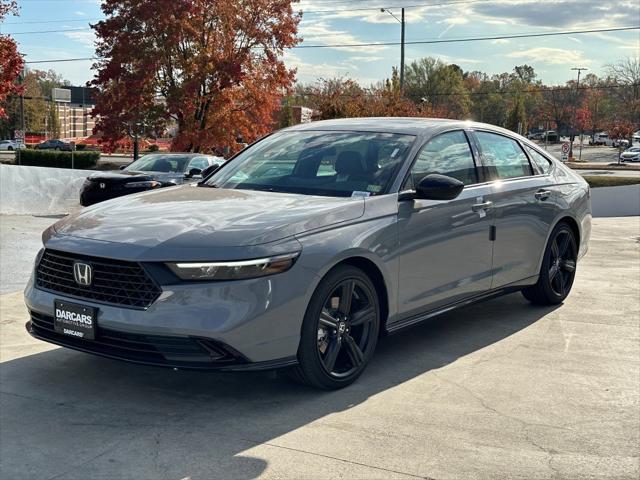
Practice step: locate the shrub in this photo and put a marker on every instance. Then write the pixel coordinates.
(56, 159)
(153, 148)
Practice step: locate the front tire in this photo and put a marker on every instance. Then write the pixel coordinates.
(558, 269)
(339, 331)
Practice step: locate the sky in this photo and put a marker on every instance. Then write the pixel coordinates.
(63, 32)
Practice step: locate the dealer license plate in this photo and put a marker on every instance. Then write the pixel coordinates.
(75, 320)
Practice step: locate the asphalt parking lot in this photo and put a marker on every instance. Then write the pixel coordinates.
(496, 390)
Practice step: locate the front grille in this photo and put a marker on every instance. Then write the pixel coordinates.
(115, 282)
(186, 352)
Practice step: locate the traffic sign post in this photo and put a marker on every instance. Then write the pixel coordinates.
(18, 136)
(565, 151)
(73, 149)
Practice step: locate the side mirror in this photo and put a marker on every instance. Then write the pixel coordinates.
(194, 172)
(122, 167)
(439, 187)
(209, 170)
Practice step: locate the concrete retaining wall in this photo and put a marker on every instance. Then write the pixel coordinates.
(615, 201)
(39, 190)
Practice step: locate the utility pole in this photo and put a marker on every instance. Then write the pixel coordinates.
(402, 23)
(22, 119)
(575, 108)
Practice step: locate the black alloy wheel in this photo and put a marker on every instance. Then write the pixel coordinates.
(558, 269)
(340, 330)
(562, 267)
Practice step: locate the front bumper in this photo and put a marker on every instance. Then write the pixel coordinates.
(239, 325)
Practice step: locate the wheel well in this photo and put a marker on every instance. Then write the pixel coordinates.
(374, 273)
(574, 228)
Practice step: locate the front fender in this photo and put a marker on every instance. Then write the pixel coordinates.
(374, 240)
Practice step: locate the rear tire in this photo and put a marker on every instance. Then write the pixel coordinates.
(558, 269)
(339, 330)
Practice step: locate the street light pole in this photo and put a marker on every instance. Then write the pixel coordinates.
(575, 109)
(402, 23)
(402, 52)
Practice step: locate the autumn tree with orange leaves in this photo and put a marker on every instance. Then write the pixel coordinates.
(211, 69)
(11, 62)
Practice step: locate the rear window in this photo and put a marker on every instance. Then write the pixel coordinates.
(160, 163)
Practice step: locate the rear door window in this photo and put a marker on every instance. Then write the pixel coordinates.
(502, 156)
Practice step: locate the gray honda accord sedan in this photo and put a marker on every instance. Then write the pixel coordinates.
(309, 245)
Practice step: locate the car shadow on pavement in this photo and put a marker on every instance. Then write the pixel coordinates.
(67, 413)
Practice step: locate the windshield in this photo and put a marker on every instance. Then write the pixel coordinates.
(338, 164)
(160, 163)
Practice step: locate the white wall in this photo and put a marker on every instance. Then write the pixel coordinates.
(615, 201)
(39, 190)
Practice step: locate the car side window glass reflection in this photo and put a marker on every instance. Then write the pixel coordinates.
(502, 156)
(447, 154)
(539, 162)
(198, 162)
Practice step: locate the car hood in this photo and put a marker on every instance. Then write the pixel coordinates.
(188, 217)
(123, 176)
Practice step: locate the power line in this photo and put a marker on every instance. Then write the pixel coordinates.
(59, 60)
(84, 29)
(361, 9)
(54, 21)
(471, 39)
(304, 12)
(418, 42)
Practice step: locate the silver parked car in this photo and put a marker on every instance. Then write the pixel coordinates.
(631, 154)
(308, 245)
(11, 145)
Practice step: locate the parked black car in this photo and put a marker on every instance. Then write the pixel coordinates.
(149, 172)
(54, 145)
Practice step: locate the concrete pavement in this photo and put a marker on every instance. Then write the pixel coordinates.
(20, 240)
(497, 390)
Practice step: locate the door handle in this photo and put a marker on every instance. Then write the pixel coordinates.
(481, 206)
(542, 194)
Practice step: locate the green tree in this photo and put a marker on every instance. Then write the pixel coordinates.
(440, 86)
(517, 117)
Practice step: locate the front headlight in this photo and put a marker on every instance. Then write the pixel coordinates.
(150, 184)
(236, 270)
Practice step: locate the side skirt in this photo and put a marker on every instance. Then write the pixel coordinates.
(488, 295)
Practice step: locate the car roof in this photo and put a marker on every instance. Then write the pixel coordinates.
(400, 125)
(179, 154)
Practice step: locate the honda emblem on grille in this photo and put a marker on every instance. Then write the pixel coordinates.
(82, 273)
(103, 185)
